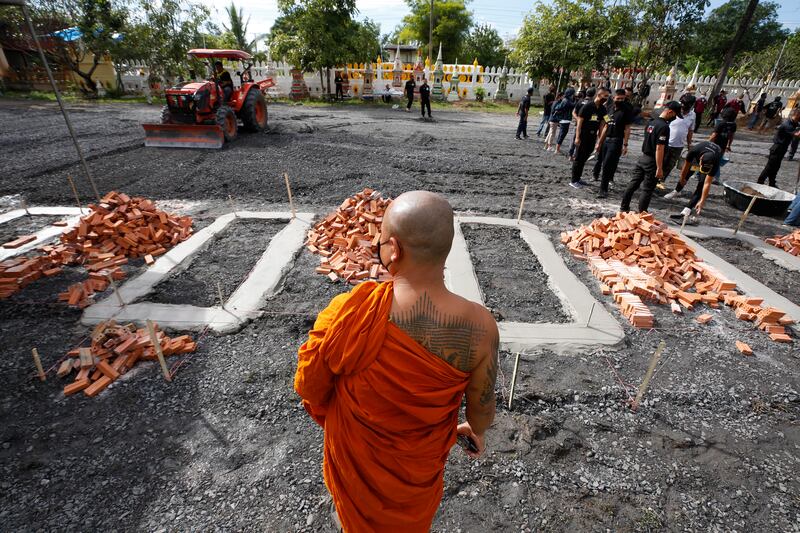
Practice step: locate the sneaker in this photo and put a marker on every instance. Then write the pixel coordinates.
(524, 136)
(583, 183)
(518, 138)
(576, 185)
(670, 195)
(602, 194)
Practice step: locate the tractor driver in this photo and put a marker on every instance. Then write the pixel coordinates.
(224, 81)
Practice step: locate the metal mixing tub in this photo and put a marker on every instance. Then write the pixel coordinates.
(771, 202)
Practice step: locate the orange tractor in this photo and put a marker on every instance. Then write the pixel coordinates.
(199, 115)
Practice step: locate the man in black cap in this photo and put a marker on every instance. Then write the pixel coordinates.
(613, 141)
(590, 120)
(789, 129)
(522, 112)
(703, 158)
(650, 166)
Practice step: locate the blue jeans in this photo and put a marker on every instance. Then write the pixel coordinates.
(793, 218)
(753, 119)
(563, 129)
(545, 123)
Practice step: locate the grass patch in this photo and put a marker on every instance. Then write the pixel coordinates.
(481, 107)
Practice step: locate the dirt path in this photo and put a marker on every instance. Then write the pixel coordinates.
(227, 444)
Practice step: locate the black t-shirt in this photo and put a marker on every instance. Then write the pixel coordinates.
(772, 108)
(425, 91)
(618, 119)
(410, 86)
(524, 105)
(549, 98)
(338, 80)
(724, 130)
(655, 133)
(784, 133)
(592, 115)
(710, 153)
(224, 79)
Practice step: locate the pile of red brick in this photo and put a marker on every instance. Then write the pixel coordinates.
(789, 243)
(115, 349)
(639, 259)
(119, 228)
(347, 240)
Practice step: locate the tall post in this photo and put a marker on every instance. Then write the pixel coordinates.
(29, 22)
(744, 23)
(430, 32)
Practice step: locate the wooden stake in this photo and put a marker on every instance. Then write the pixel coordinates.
(744, 215)
(75, 192)
(591, 312)
(648, 375)
(25, 207)
(116, 290)
(683, 224)
(522, 203)
(513, 381)
(219, 293)
(157, 345)
(233, 208)
(38, 363)
(289, 190)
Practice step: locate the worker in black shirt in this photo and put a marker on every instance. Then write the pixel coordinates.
(590, 121)
(613, 141)
(650, 166)
(339, 81)
(410, 86)
(704, 159)
(549, 98)
(790, 128)
(724, 130)
(224, 81)
(587, 97)
(425, 98)
(522, 112)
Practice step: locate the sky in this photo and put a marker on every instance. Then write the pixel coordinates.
(504, 16)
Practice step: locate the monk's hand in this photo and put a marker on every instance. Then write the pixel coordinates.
(479, 440)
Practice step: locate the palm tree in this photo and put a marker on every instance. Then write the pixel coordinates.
(238, 28)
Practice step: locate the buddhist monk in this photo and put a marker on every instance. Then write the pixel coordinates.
(384, 371)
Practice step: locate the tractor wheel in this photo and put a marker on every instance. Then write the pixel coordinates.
(166, 116)
(254, 111)
(226, 119)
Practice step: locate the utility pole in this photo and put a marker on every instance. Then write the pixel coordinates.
(744, 23)
(430, 34)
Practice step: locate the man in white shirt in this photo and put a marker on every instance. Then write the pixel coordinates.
(680, 134)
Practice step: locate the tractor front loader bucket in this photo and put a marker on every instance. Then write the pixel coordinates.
(183, 136)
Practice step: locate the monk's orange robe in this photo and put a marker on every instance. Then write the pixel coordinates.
(389, 409)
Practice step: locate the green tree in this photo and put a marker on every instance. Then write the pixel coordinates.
(451, 24)
(761, 64)
(712, 36)
(485, 45)
(237, 28)
(573, 34)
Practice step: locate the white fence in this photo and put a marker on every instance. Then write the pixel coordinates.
(135, 76)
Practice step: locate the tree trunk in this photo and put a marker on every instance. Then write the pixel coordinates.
(321, 82)
(744, 23)
(329, 83)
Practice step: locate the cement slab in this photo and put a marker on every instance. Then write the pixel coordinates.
(244, 304)
(593, 325)
(773, 253)
(44, 234)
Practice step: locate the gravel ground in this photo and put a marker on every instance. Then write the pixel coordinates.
(744, 257)
(513, 283)
(227, 445)
(24, 225)
(224, 263)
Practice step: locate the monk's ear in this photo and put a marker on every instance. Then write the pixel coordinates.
(397, 250)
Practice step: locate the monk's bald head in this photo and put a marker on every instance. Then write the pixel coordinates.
(423, 224)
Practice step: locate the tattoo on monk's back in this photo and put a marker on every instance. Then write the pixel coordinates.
(452, 338)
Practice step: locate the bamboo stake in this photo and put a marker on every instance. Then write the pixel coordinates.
(25, 207)
(75, 192)
(648, 375)
(219, 294)
(289, 191)
(683, 224)
(744, 216)
(116, 290)
(513, 381)
(591, 312)
(157, 345)
(522, 203)
(38, 363)
(233, 208)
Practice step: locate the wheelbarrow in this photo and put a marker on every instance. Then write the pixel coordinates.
(771, 202)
